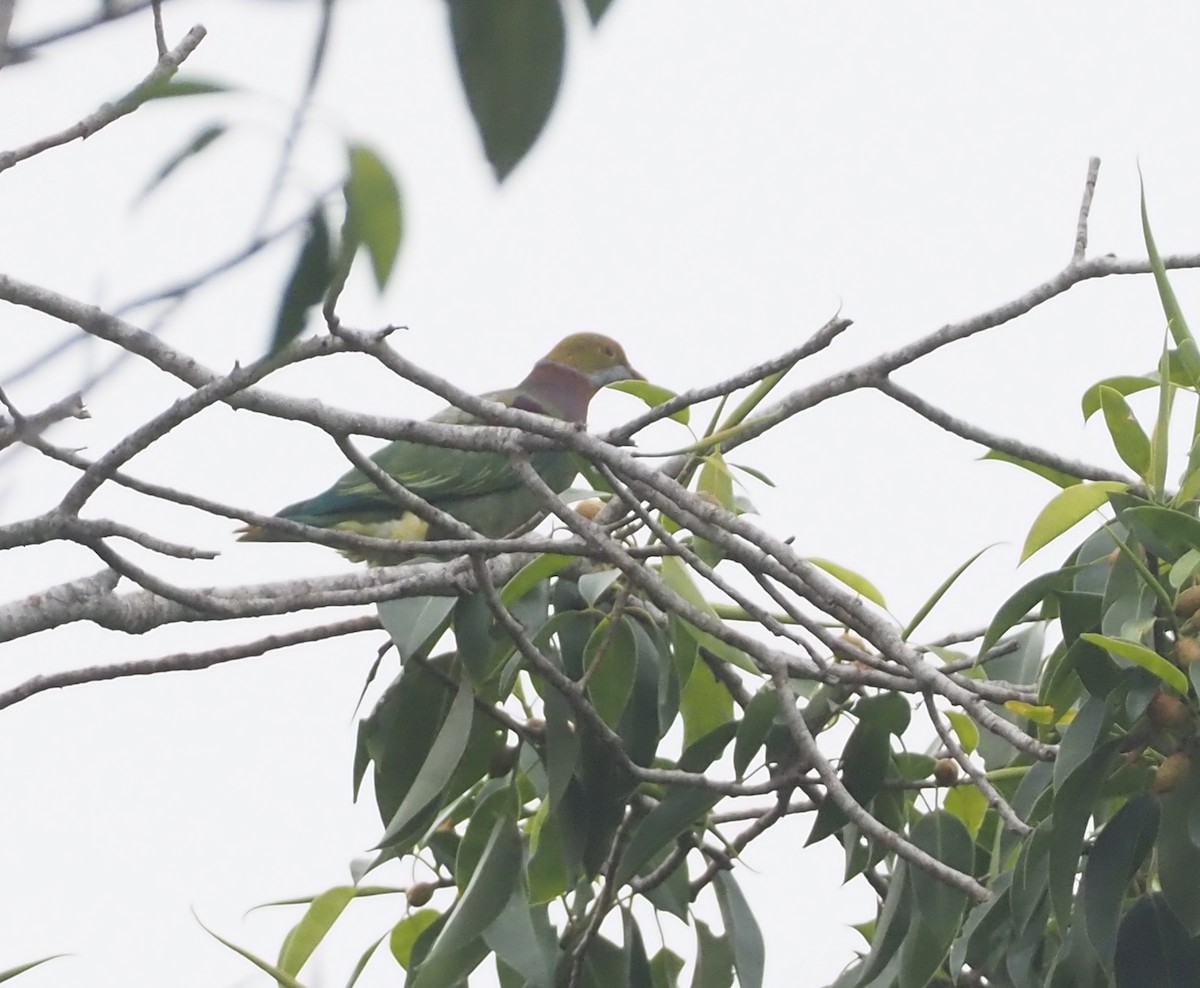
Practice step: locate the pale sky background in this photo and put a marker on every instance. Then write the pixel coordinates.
(716, 180)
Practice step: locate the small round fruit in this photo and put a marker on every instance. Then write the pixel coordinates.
(1171, 772)
(1187, 651)
(420, 893)
(1168, 710)
(502, 761)
(1188, 602)
(589, 508)
(945, 771)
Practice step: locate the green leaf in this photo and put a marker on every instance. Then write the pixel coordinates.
(1129, 438)
(404, 934)
(374, 216)
(285, 980)
(1178, 851)
(596, 9)
(1073, 803)
(495, 878)
(523, 938)
(510, 59)
(965, 728)
(714, 959)
(533, 573)
(1024, 600)
(679, 579)
(611, 658)
(1151, 661)
(1176, 323)
(749, 952)
(1123, 385)
(172, 88)
(317, 920)
(678, 811)
(859, 584)
(705, 704)
(1112, 861)
(1154, 950)
(1177, 529)
(939, 593)
(1160, 440)
(306, 285)
(862, 770)
(1056, 477)
(203, 138)
(891, 930)
(969, 805)
(444, 756)
(593, 585)
(752, 731)
(413, 621)
(12, 972)
(653, 395)
(939, 908)
(1066, 510)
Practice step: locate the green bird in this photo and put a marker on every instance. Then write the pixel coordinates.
(480, 489)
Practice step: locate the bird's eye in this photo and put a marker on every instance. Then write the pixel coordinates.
(608, 351)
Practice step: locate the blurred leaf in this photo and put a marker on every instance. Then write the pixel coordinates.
(862, 771)
(592, 585)
(1129, 438)
(1151, 661)
(1160, 439)
(1066, 510)
(1037, 714)
(679, 579)
(306, 285)
(202, 139)
(741, 927)
(665, 967)
(1112, 861)
(174, 87)
(596, 9)
(317, 920)
(1153, 950)
(652, 395)
(486, 895)
(374, 216)
(752, 731)
(1179, 530)
(1056, 477)
(859, 584)
(705, 704)
(510, 60)
(12, 972)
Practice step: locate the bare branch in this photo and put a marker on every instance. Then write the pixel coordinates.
(21, 428)
(167, 66)
(1085, 208)
(185, 661)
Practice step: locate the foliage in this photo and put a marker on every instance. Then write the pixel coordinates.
(579, 725)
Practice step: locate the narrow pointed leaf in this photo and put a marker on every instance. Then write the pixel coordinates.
(203, 139)
(939, 593)
(1149, 660)
(1124, 384)
(306, 285)
(1153, 949)
(1056, 477)
(1066, 510)
(1129, 439)
(411, 621)
(749, 952)
(856, 582)
(653, 395)
(318, 919)
(1176, 323)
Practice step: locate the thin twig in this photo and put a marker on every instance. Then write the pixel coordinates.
(185, 661)
(167, 66)
(1085, 208)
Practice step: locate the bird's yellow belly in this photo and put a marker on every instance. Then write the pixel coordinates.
(407, 528)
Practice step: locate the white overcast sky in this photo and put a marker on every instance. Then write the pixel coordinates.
(716, 180)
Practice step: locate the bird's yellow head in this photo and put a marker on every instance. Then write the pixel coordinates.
(599, 358)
